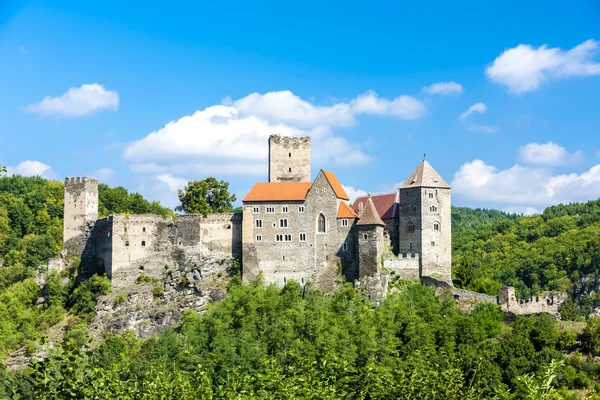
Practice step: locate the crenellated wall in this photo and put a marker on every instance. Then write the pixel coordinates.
(151, 244)
(547, 302)
(405, 265)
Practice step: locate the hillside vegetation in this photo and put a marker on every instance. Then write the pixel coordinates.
(31, 227)
(286, 343)
(557, 250)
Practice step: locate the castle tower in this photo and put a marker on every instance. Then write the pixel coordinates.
(80, 212)
(370, 241)
(425, 221)
(289, 159)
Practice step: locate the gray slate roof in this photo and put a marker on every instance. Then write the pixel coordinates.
(370, 216)
(425, 176)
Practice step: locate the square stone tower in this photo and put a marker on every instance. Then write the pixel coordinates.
(80, 212)
(289, 159)
(370, 241)
(425, 222)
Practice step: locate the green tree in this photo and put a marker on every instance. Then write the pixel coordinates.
(205, 197)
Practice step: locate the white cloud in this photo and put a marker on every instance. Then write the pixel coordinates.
(443, 88)
(477, 107)
(403, 107)
(104, 174)
(522, 210)
(483, 128)
(548, 154)
(77, 102)
(524, 68)
(286, 107)
(353, 193)
(523, 187)
(173, 183)
(31, 168)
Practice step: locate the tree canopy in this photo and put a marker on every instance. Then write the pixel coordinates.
(205, 197)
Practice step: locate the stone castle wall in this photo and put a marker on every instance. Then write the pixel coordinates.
(289, 159)
(547, 302)
(404, 265)
(149, 244)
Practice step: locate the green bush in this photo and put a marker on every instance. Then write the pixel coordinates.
(157, 290)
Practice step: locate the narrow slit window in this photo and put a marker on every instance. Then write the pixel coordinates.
(143, 242)
(259, 223)
(345, 247)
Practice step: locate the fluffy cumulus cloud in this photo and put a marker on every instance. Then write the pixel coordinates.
(549, 154)
(443, 88)
(524, 189)
(353, 193)
(525, 68)
(479, 108)
(31, 168)
(231, 139)
(77, 102)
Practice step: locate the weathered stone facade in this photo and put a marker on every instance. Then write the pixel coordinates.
(80, 212)
(290, 229)
(289, 159)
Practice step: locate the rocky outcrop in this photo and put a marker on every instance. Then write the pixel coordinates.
(151, 306)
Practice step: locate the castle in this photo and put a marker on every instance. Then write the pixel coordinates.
(290, 228)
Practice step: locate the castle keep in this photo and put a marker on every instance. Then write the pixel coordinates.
(290, 228)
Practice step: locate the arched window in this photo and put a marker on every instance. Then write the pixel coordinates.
(321, 226)
(410, 227)
(436, 226)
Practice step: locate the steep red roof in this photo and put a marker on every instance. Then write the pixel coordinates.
(278, 191)
(346, 212)
(370, 216)
(386, 204)
(336, 185)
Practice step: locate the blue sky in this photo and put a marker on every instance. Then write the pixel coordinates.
(149, 95)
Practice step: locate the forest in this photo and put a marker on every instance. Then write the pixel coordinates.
(269, 342)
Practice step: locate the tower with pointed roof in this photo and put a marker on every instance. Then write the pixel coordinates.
(370, 240)
(425, 222)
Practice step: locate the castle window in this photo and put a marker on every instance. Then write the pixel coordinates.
(345, 247)
(270, 209)
(127, 243)
(300, 209)
(283, 223)
(258, 223)
(258, 238)
(285, 209)
(303, 237)
(279, 238)
(410, 227)
(290, 154)
(283, 259)
(360, 206)
(344, 222)
(290, 170)
(433, 243)
(143, 229)
(433, 209)
(414, 208)
(410, 246)
(255, 210)
(431, 195)
(322, 224)
(436, 227)
(143, 242)
(288, 238)
(365, 236)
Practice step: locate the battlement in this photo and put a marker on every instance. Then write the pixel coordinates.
(80, 180)
(289, 141)
(548, 302)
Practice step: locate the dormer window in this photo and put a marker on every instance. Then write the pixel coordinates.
(361, 206)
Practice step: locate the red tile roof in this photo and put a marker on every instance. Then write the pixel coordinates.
(386, 204)
(336, 185)
(345, 211)
(278, 191)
